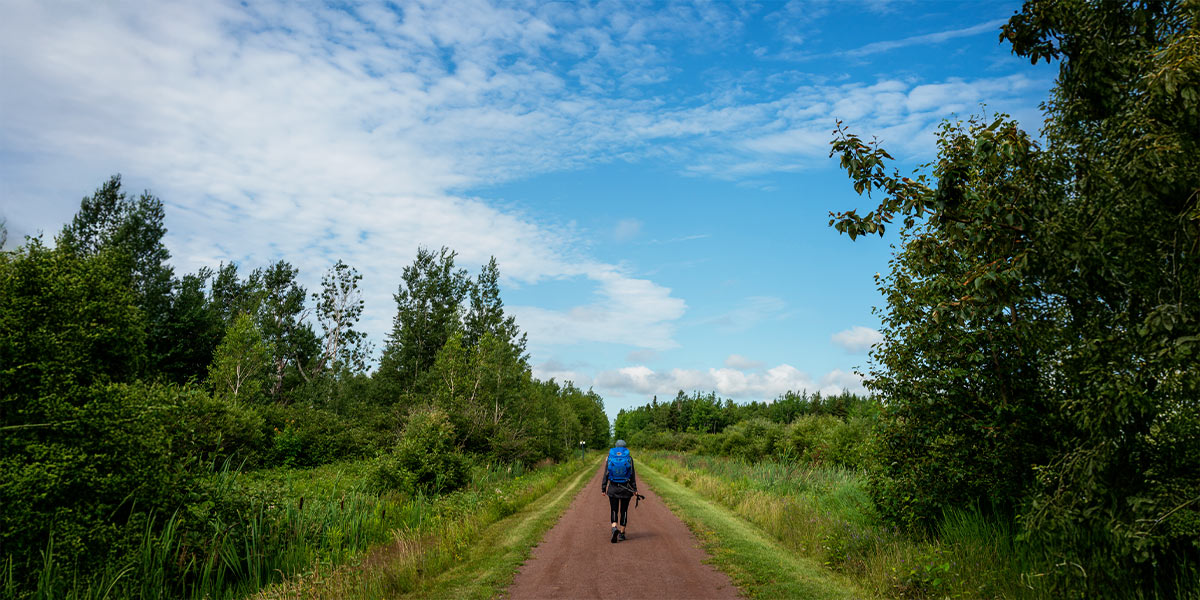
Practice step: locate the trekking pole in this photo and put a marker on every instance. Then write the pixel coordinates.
(638, 496)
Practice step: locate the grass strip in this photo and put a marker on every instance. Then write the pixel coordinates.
(757, 564)
(450, 549)
(488, 570)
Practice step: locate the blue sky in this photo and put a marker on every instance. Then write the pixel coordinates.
(652, 177)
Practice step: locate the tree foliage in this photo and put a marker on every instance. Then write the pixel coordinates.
(81, 444)
(429, 311)
(1044, 310)
(131, 229)
(339, 307)
(242, 363)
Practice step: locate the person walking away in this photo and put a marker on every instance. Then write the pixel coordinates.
(620, 485)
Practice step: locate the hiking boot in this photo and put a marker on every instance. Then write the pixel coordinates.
(614, 535)
(621, 536)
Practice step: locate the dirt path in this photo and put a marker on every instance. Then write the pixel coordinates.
(660, 558)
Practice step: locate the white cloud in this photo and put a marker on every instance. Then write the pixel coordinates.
(737, 361)
(857, 339)
(726, 382)
(629, 311)
(641, 356)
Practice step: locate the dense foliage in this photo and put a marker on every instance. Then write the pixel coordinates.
(1043, 321)
(126, 392)
(796, 426)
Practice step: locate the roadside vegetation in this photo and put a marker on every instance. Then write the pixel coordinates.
(824, 514)
(1037, 432)
(758, 564)
(205, 435)
(468, 543)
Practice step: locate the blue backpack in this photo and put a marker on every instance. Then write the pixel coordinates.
(620, 465)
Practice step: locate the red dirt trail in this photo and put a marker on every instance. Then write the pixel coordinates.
(660, 559)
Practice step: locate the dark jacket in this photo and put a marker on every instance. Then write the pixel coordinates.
(620, 490)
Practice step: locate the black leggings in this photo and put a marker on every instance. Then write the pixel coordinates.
(613, 504)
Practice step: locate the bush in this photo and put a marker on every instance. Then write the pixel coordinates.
(81, 479)
(300, 436)
(214, 430)
(425, 459)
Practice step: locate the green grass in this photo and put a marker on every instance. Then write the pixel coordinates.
(823, 515)
(469, 545)
(756, 562)
(297, 529)
(488, 569)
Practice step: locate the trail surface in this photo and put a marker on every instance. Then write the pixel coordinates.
(660, 558)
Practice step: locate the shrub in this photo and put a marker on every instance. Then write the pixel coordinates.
(81, 478)
(213, 430)
(301, 436)
(425, 459)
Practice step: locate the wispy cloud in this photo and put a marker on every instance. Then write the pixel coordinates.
(857, 339)
(641, 356)
(928, 38)
(317, 132)
(627, 229)
(682, 238)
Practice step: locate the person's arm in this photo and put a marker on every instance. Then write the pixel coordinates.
(604, 481)
(632, 476)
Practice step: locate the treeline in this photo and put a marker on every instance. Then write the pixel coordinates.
(835, 429)
(124, 386)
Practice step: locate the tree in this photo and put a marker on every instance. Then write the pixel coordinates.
(242, 364)
(133, 227)
(482, 389)
(195, 326)
(230, 296)
(281, 318)
(339, 308)
(429, 307)
(486, 314)
(79, 444)
(1043, 322)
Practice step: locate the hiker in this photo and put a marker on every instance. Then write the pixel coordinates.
(620, 485)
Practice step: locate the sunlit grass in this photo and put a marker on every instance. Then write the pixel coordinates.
(824, 514)
(304, 529)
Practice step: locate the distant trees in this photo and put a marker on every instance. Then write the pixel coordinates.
(1043, 325)
(707, 413)
(795, 427)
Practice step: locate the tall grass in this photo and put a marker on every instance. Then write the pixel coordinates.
(438, 538)
(824, 513)
(288, 524)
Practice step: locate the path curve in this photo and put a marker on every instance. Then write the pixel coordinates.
(660, 559)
